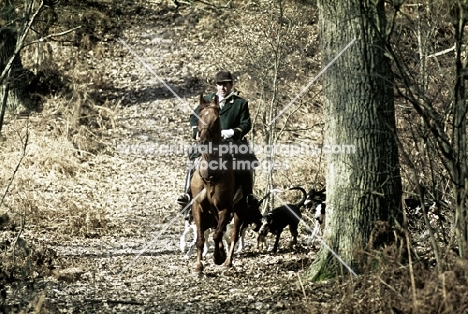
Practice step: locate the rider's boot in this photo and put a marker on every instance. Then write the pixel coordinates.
(184, 199)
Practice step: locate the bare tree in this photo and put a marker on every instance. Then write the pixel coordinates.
(441, 105)
(22, 23)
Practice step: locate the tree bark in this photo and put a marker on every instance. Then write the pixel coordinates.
(18, 96)
(365, 187)
(459, 137)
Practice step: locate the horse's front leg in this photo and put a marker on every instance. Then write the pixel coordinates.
(234, 238)
(200, 242)
(219, 255)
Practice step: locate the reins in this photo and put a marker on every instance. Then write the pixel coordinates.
(212, 177)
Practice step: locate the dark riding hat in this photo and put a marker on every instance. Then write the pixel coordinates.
(223, 76)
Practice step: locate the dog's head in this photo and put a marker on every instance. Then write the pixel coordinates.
(265, 225)
(254, 216)
(314, 197)
(257, 221)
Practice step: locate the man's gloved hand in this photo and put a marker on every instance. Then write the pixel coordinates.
(227, 133)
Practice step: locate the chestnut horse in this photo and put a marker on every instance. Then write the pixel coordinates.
(214, 188)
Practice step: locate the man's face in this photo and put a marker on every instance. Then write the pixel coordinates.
(224, 88)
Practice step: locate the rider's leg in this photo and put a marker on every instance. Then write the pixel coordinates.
(185, 197)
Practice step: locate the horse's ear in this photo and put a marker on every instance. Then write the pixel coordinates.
(216, 100)
(202, 100)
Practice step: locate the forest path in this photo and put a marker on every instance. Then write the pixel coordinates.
(138, 267)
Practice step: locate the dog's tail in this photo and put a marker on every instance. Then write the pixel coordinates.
(267, 195)
(304, 195)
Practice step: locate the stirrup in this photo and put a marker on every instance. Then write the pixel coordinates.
(183, 200)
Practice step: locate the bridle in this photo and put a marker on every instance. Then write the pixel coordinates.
(205, 125)
(209, 177)
(206, 128)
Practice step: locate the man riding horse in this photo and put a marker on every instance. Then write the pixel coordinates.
(235, 124)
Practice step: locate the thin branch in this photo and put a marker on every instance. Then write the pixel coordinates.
(42, 39)
(410, 262)
(421, 192)
(3, 103)
(441, 52)
(283, 129)
(424, 108)
(25, 144)
(17, 238)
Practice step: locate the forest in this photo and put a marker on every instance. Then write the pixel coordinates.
(363, 99)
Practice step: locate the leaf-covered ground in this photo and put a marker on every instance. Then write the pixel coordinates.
(111, 222)
(99, 211)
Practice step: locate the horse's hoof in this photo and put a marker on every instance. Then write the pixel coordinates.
(199, 268)
(227, 265)
(219, 257)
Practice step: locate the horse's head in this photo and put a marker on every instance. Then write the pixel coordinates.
(209, 128)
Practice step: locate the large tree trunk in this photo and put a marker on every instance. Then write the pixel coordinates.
(364, 187)
(18, 95)
(459, 137)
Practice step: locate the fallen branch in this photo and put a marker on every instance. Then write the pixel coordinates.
(42, 39)
(114, 301)
(441, 52)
